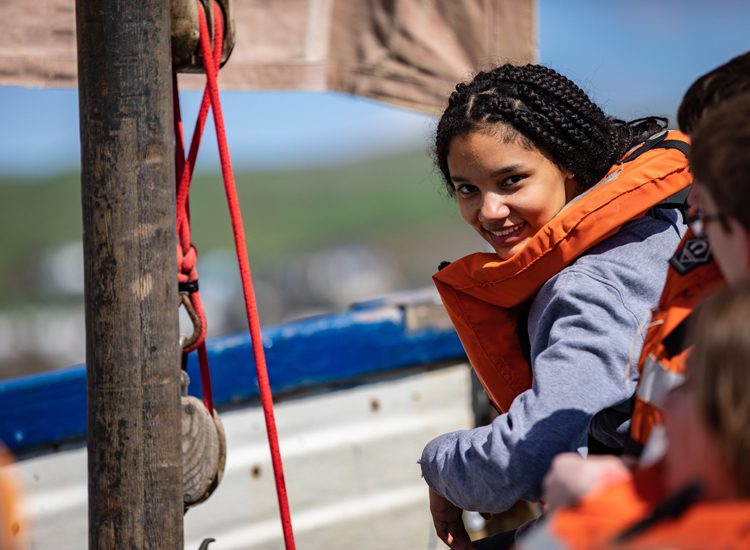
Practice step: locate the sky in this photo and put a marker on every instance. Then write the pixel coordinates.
(633, 57)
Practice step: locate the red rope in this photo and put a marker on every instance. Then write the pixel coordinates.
(211, 61)
(208, 398)
(187, 255)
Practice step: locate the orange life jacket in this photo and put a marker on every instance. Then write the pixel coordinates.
(485, 296)
(629, 506)
(599, 517)
(692, 275)
(13, 534)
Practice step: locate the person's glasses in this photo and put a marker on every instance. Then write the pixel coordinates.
(698, 221)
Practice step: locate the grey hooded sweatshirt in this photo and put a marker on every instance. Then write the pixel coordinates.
(585, 329)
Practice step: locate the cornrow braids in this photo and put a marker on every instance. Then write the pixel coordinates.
(545, 110)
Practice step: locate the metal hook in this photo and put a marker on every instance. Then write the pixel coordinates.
(189, 341)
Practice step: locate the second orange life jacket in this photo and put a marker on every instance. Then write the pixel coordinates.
(637, 514)
(692, 275)
(485, 296)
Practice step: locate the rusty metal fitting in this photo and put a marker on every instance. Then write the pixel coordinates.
(187, 342)
(186, 55)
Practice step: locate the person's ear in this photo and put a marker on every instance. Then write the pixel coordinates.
(572, 188)
(744, 235)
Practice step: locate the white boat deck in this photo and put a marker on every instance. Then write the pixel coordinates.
(350, 461)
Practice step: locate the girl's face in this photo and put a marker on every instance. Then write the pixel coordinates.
(506, 191)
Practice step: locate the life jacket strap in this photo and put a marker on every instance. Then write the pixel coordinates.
(671, 507)
(676, 341)
(658, 141)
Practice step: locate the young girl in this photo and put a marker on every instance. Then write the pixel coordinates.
(570, 206)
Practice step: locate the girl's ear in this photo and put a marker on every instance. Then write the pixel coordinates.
(572, 189)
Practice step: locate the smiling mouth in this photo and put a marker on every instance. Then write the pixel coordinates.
(505, 235)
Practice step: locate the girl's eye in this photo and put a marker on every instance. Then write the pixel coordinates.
(465, 189)
(511, 180)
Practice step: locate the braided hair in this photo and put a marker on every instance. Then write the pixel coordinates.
(544, 110)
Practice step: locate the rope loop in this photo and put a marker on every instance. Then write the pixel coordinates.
(187, 255)
(187, 270)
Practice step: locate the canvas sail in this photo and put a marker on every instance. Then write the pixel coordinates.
(408, 52)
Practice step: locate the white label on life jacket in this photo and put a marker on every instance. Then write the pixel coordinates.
(656, 382)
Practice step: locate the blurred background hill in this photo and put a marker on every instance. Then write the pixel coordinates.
(340, 197)
(318, 238)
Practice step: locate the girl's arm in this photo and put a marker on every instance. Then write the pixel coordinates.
(580, 348)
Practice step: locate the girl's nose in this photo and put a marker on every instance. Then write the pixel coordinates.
(493, 208)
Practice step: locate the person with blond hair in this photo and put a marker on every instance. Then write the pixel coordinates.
(692, 275)
(699, 496)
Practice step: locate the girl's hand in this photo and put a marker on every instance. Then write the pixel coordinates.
(448, 521)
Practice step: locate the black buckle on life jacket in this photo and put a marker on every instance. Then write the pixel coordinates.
(633, 448)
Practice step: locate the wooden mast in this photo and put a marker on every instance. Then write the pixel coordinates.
(132, 350)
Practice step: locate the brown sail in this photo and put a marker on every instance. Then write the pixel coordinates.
(408, 52)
